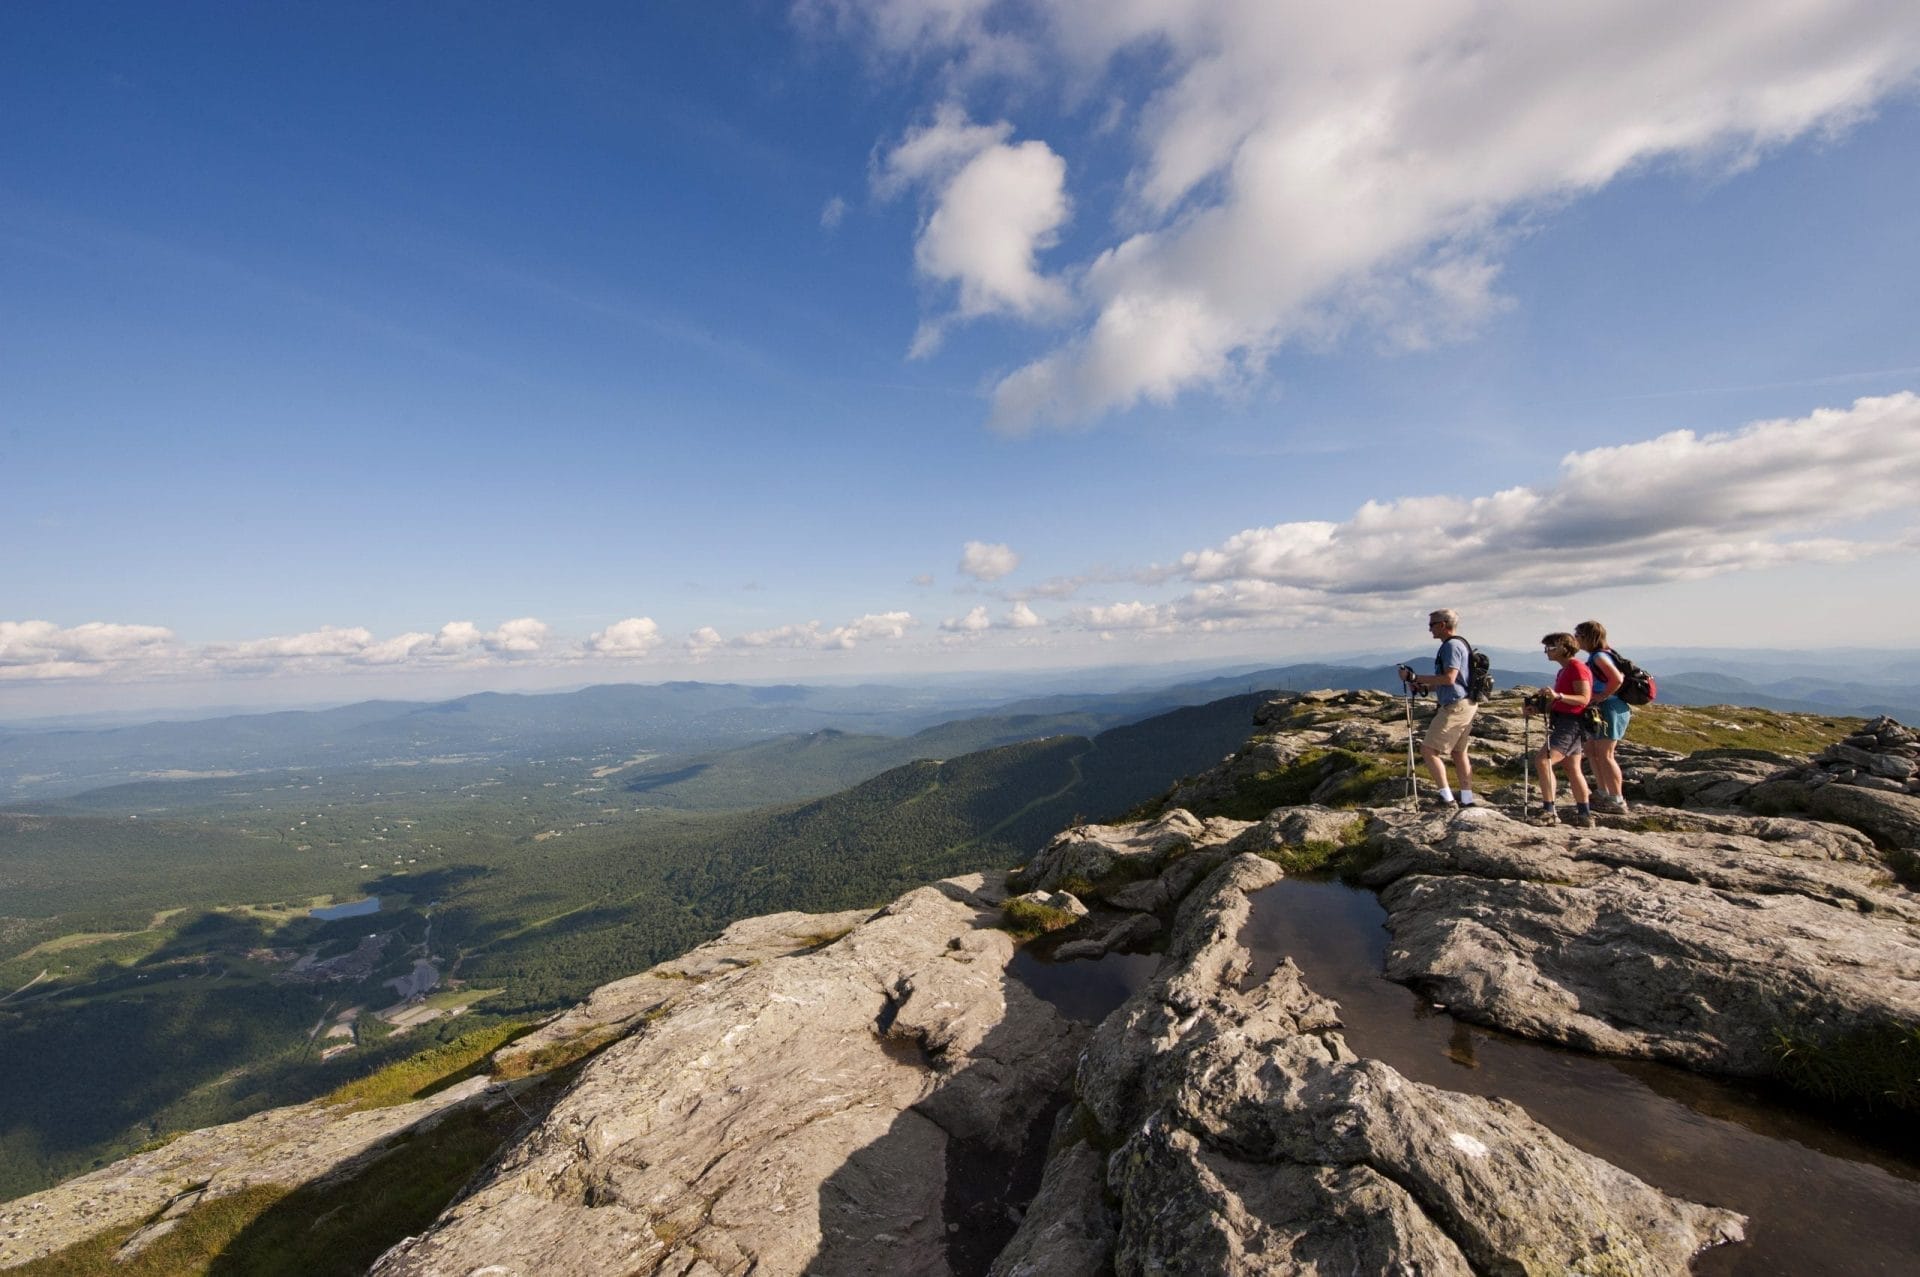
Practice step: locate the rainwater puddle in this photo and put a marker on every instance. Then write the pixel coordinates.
(1818, 1200)
(1088, 990)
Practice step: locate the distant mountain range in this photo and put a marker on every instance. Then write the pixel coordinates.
(691, 718)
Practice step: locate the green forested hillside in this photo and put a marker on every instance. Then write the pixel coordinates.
(792, 768)
(143, 961)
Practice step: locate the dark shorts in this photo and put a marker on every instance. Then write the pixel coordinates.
(1564, 735)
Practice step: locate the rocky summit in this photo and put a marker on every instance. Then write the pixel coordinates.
(882, 1092)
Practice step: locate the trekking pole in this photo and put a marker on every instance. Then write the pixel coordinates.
(1526, 766)
(1413, 781)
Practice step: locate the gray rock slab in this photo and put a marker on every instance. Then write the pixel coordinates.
(1694, 947)
(1093, 852)
(1294, 826)
(286, 1146)
(1246, 1137)
(796, 1115)
(615, 1008)
(1891, 819)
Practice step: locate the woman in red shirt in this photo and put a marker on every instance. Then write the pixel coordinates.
(1572, 689)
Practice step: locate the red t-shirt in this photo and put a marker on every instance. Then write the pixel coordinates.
(1573, 679)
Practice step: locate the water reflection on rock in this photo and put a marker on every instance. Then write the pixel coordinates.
(1818, 1199)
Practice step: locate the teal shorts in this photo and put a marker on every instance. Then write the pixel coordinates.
(1614, 715)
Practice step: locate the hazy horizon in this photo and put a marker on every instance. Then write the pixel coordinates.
(1839, 664)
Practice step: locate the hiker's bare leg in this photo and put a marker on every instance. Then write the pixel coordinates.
(1461, 766)
(1607, 777)
(1576, 778)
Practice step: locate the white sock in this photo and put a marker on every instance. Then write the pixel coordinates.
(1446, 794)
(1466, 796)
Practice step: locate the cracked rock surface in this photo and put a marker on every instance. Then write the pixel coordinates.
(835, 1111)
(617, 1007)
(1699, 947)
(1225, 1127)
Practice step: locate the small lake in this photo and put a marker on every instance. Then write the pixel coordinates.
(1819, 1200)
(352, 909)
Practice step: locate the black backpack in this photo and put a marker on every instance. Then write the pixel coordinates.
(1639, 689)
(1479, 673)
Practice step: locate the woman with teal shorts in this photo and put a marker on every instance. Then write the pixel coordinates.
(1614, 716)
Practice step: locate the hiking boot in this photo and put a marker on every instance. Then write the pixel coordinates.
(1612, 803)
(1434, 802)
(1546, 816)
(1583, 820)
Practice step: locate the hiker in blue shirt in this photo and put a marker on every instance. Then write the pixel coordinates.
(1448, 734)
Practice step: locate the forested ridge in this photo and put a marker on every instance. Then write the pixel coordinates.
(143, 979)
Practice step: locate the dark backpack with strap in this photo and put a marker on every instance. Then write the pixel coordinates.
(1639, 688)
(1479, 672)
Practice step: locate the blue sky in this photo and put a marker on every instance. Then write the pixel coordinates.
(352, 350)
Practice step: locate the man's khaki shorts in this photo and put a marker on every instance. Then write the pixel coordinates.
(1449, 726)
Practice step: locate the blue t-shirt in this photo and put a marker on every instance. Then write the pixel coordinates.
(1600, 698)
(1451, 656)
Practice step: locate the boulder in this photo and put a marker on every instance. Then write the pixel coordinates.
(1064, 901)
(1135, 851)
(1704, 949)
(1131, 931)
(1292, 827)
(1891, 819)
(1246, 1137)
(855, 1108)
(1707, 780)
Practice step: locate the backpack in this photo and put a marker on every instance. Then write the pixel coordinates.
(1479, 673)
(1639, 689)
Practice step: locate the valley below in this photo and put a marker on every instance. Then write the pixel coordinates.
(1249, 1015)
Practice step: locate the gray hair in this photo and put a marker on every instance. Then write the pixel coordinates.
(1447, 617)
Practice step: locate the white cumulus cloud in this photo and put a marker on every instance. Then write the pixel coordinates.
(995, 206)
(985, 561)
(1123, 616)
(974, 622)
(1678, 507)
(44, 650)
(978, 621)
(341, 647)
(635, 636)
(1299, 169)
(813, 636)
